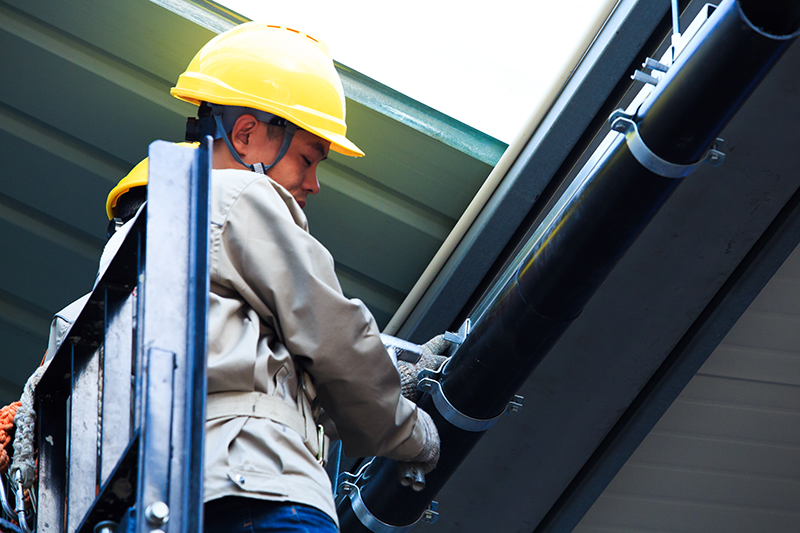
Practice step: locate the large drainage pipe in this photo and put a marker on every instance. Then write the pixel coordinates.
(573, 251)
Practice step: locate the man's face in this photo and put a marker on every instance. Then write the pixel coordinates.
(297, 170)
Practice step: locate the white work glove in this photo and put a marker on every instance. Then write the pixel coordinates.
(432, 358)
(412, 473)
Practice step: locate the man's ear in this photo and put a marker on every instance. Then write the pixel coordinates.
(243, 128)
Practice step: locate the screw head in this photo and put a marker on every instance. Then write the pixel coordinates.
(157, 513)
(429, 516)
(106, 526)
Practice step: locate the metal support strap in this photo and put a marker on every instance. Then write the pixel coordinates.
(430, 382)
(623, 123)
(375, 524)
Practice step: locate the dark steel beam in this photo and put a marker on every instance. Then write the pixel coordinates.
(580, 242)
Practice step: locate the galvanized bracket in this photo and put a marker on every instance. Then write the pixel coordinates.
(346, 480)
(375, 524)
(462, 334)
(430, 382)
(401, 350)
(623, 123)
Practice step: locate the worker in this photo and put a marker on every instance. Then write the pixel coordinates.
(283, 340)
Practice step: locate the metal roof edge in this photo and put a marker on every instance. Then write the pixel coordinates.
(418, 116)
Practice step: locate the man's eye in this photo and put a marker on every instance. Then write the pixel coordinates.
(307, 161)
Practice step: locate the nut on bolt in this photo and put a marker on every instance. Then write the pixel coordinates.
(157, 513)
(106, 526)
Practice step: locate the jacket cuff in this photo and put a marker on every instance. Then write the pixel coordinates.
(413, 445)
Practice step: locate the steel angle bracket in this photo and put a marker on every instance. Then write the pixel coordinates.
(459, 337)
(430, 382)
(375, 524)
(623, 123)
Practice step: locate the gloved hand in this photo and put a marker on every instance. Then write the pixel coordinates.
(412, 473)
(432, 358)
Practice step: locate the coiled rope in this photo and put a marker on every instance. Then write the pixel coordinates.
(25, 420)
(6, 433)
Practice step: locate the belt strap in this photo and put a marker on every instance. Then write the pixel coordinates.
(260, 405)
(257, 405)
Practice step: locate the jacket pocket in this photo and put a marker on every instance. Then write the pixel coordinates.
(258, 482)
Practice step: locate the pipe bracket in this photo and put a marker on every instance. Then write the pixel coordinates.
(462, 334)
(623, 123)
(430, 382)
(375, 524)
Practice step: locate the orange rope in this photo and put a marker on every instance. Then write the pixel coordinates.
(7, 414)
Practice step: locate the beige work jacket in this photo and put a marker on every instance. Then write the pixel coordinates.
(276, 306)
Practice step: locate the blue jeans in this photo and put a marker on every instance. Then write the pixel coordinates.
(248, 515)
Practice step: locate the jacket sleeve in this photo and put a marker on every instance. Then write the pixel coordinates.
(287, 276)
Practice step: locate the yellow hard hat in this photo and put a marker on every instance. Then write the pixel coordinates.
(137, 177)
(274, 69)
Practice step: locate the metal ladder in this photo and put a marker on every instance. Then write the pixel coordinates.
(121, 408)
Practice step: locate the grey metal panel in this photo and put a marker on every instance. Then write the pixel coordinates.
(411, 163)
(754, 363)
(157, 435)
(67, 192)
(31, 91)
(727, 421)
(142, 33)
(686, 517)
(52, 458)
(368, 239)
(117, 414)
(701, 486)
(25, 254)
(381, 300)
(83, 434)
(766, 331)
(15, 342)
(689, 452)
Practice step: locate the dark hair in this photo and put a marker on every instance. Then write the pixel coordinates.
(130, 202)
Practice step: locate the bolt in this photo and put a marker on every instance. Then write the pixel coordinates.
(619, 126)
(106, 526)
(425, 385)
(429, 516)
(157, 513)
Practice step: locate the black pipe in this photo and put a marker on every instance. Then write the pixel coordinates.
(575, 249)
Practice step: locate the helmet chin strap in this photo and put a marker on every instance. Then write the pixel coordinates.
(260, 168)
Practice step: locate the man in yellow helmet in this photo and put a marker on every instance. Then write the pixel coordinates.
(281, 334)
(283, 340)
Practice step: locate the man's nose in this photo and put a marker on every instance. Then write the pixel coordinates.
(312, 183)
